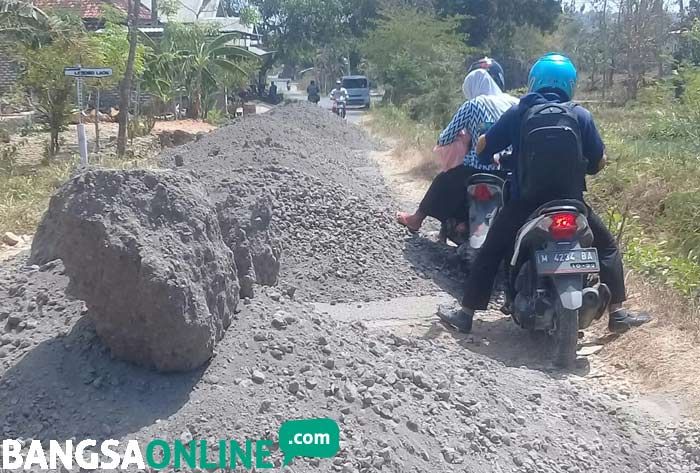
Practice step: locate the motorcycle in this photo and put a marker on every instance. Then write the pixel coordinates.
(339, 108)
(485, 197)
(553, 286)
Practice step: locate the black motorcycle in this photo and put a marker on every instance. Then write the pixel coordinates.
(554, 286)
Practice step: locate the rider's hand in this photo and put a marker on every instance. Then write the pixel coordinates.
(481, 144)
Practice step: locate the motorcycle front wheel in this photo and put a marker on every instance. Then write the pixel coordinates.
(565, 338)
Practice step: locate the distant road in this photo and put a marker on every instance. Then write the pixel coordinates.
(354, 115)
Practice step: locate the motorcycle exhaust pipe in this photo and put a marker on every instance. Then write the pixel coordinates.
(591, 298)
(590, 305)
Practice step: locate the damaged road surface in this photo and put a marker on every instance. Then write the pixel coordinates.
(189, 303)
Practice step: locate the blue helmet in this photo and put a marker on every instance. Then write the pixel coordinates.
(553, 72)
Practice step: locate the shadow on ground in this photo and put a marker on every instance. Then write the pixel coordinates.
(71, 387)
(494, 334)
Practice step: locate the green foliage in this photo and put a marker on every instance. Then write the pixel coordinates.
(250, 16)
(415, 55)
(43, 74)
(110, 48)
(196, 59)
(140, 126)
(653, 179)
(8, 159)
(689, 44)
(655, 261)
(493, 22)
(216, 117)
(677, 106)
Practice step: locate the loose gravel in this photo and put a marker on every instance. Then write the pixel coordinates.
(403, 404)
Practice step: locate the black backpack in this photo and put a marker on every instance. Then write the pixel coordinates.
(552, 165)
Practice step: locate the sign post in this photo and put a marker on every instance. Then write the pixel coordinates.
(79, 73)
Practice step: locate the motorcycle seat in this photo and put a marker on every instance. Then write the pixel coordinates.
(484, 178)
(562, 205)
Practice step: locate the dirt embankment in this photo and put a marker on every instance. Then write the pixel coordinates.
(404, 404)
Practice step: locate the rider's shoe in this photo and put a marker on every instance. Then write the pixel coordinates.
(622, 320)
(459, 319)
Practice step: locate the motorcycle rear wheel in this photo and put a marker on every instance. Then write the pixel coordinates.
(565, 338)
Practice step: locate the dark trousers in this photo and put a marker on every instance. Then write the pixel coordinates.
(499, 244)
(446, 197)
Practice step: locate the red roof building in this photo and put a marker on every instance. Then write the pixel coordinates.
(90, 9)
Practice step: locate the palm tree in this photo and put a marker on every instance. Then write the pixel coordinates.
(188, 57)
(203, 61)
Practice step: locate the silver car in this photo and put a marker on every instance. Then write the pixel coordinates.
(358, 90)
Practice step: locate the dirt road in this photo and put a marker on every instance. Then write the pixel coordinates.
(349, 333)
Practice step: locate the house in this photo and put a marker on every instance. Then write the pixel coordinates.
(89, 10)
(151, 23)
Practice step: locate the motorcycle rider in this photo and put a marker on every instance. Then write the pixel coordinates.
(492, 67)
(552, 79)
(313, 92)
(485, 102)
(339, 93)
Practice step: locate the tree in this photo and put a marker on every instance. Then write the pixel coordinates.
(492, 22)
(199, 60)
(416, 55)
(110, 48)
(134, 11)
(46, 43)
(52, 90)
(641, 42)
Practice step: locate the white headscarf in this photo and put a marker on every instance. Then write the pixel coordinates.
(479, 82)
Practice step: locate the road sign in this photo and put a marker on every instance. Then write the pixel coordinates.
(87, 71)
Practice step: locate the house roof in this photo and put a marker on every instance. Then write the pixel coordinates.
(90, 9)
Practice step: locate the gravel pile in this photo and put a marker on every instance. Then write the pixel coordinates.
(339, 239)
(403, 404)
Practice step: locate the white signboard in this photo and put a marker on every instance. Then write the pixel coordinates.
(87, 71)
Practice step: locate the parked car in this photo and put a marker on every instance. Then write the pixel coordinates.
(358, 90)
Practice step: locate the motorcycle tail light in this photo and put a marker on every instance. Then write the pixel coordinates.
(564, 226)
(481, 192)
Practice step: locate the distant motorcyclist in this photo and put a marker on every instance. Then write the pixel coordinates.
(552, 80)
(339, 93)
(313, 92)
(339, 97)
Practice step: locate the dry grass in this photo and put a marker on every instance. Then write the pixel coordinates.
(412, 143)
(26, 187)
(660, 357)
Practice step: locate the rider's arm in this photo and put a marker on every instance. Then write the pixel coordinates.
(592, 143)
(499, 136)
(458, 123)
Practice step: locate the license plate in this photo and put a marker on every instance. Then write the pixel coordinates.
(567, 262)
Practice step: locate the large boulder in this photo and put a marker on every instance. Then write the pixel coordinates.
(144, 250)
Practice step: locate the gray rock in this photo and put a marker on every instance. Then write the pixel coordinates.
(311, 383)
(278, 322)
(257, 376)
(293, 387)
(143, 249)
